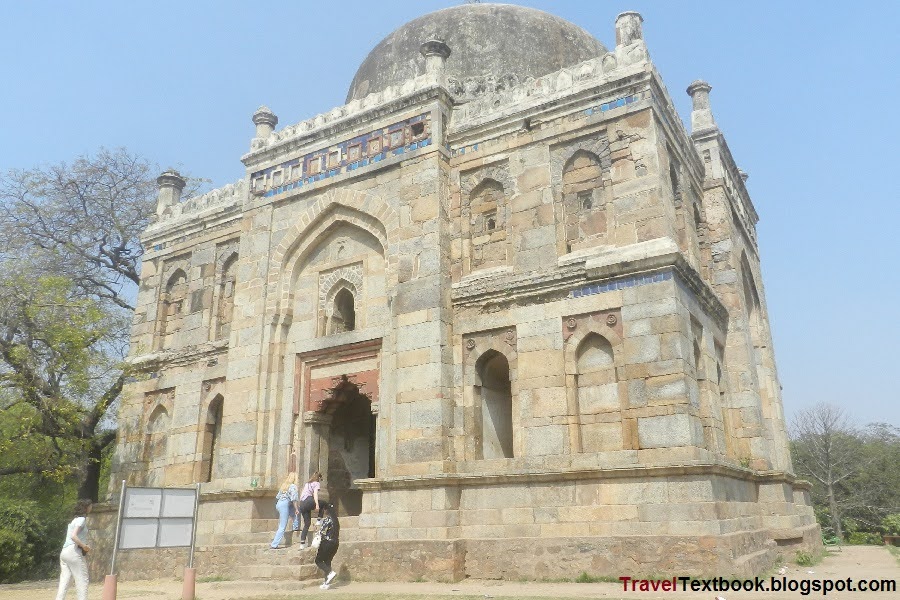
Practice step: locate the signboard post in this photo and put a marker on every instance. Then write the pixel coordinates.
(188, 587)
(110, 582)
(156, 518)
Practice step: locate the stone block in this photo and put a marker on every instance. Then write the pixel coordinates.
(637, 392)
(667, 431)
(642, 349)
(534, 178)
(600, 437)
(426, 413)
(594, 399)
(419, 450)
(420, 335)
(539, 364)
(419, 377)
(418, 294)
(645, 310)
(548, 402)
(546, 440)
(667, 389)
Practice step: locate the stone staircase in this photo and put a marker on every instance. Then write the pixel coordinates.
(248, 555)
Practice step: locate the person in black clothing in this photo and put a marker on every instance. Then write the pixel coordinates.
(329, 530)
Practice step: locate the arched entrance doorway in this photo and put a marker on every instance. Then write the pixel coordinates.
(351, 445)
(339, 394)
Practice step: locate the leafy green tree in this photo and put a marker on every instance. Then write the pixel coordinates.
(70, 255)
(61, 371)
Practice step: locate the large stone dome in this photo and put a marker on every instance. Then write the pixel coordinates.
(502, 42)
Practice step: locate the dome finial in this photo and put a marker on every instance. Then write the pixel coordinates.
(265, 121)
(701, 115)
(435, 52)
(628, 28)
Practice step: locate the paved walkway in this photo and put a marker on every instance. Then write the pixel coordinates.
(857, 562)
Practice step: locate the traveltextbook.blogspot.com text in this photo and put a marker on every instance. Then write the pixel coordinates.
(758, 584)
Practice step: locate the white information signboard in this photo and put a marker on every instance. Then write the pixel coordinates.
(157, 517)
(142, 503)
(138, 533)
(174, 532)
(178, 503)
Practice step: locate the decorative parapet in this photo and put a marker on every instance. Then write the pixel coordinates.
(494, 97)
(227, 195)
(343, 157)
(481, 96)
(341, 113)
(154, 362)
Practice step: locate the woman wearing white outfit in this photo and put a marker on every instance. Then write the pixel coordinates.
(72, 563)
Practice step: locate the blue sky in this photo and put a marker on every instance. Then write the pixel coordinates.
(804, 91)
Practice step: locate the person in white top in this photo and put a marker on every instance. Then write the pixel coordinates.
(72, 563)
(309, 500)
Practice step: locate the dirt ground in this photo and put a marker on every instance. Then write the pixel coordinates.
(856, 562)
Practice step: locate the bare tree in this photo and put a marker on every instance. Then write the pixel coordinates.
(828, 447)
(87, 216)
(70, 256)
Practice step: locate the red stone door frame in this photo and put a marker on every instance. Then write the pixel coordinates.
(315, 395)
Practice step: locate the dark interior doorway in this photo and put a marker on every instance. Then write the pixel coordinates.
(351, 447)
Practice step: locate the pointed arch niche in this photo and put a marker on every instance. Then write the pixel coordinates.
(488, 210)
(585, 217)
(490, 398)
(211, 438)
(340, 292)
(225, 297)
(343, 250)
(594, 391)
(172, 308)
(156, 445)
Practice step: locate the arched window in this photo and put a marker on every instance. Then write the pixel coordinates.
(172, 309)
(585, 213)
(343, 316)
(211, 438)
(225, 304)
(596, 376)
(496, 405)
(156, 444)
(675, 180)
(487, 206)
(751, 303)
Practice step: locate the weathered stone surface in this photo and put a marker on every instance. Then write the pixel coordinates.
(507, 313)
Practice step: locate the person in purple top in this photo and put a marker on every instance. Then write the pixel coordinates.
(309, 501)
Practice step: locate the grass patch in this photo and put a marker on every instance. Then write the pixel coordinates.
(895, 550)
(808, 559)
(585, 578)
(213, 579)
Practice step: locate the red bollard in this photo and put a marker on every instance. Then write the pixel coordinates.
(188, 588)
(109, 587)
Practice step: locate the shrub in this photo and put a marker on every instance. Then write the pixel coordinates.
(863, 538)
(17, 556)
(28, 542)
(891, 524)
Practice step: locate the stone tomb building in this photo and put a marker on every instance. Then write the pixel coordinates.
(504, 301)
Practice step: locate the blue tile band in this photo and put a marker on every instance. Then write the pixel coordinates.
(351, 154)
(620, 284)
